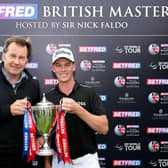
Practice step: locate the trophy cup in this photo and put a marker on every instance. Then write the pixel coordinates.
(44, 117)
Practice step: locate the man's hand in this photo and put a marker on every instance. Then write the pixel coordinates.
(18, 107)
(40, 142)
(69, 105)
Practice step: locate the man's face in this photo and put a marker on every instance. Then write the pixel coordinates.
(15, 60)
(64, 69)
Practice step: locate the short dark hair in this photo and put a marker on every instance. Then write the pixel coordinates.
(22, 41)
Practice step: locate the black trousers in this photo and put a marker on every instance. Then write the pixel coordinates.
(16, 161)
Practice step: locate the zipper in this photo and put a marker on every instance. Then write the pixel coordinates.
(17, 86)
(15, 89)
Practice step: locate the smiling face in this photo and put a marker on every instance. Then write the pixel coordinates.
(15, 59)
(64, 69)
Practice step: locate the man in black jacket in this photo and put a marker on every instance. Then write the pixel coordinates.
(16, 86)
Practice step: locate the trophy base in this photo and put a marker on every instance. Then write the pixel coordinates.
(45, 152)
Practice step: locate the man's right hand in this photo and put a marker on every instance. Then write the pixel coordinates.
(18, 107)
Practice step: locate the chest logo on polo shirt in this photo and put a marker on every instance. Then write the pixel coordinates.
(81, 103)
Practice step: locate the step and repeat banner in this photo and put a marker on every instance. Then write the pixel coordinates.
(121, 49)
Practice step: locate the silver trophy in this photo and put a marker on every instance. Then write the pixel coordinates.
(44, 117)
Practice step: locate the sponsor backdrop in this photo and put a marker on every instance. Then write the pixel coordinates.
(121, 49)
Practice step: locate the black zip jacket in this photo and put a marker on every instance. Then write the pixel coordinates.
(11, 127)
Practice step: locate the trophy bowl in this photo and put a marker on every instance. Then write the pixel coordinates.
(44, 114)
